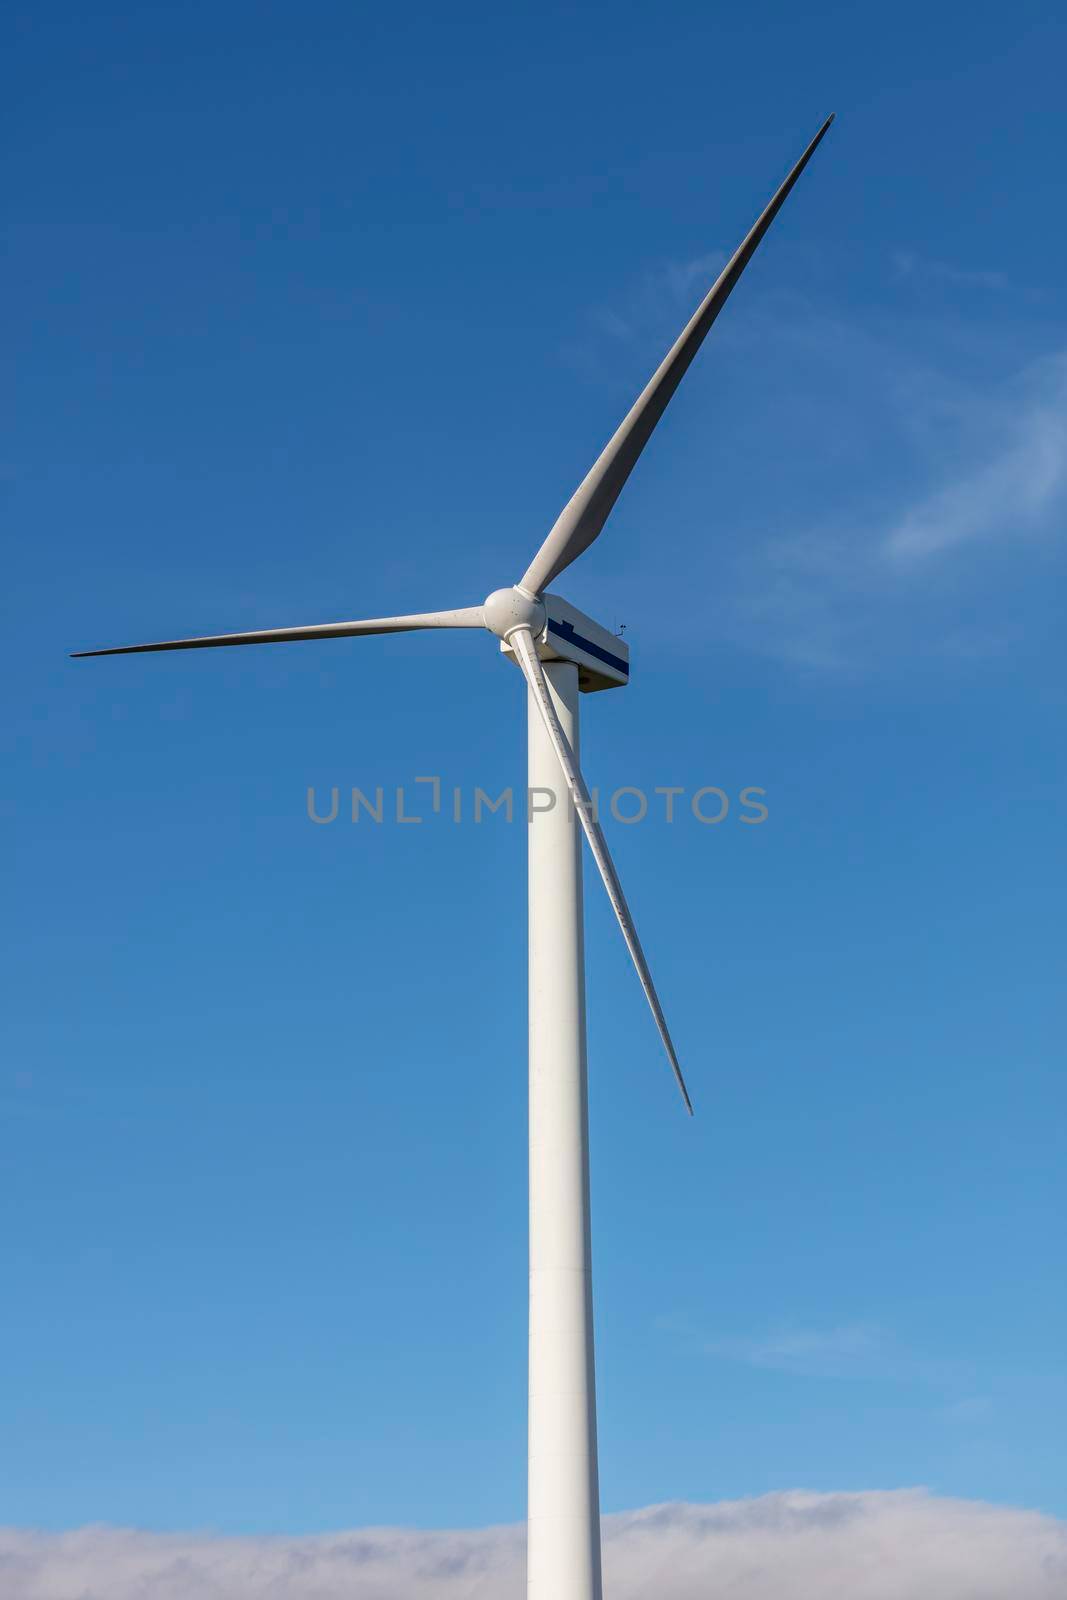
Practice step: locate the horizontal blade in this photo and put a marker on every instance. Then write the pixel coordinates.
(585, 514)
(467, 617)
(522, 643)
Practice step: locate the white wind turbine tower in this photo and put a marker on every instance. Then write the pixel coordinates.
(561, 653)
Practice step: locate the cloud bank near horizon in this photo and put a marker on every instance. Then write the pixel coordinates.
(876, 1545)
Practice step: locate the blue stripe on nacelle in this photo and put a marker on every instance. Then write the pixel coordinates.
(565, 630)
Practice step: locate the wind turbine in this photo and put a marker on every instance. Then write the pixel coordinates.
(561, 653)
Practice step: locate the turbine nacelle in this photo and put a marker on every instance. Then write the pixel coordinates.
(560, 633)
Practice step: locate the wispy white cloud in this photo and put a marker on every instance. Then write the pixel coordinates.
(938, 452)
(895, 1545)
(851, 1350)
(916, 562)
(967, 1412)
(1012, 487)
(908, 264)
(647, 318)
(691, 280)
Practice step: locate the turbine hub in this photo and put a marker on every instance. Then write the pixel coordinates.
(508, 609)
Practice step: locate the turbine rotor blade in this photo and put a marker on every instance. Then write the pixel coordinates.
(585, 514)
(466, 617)
(521, 641)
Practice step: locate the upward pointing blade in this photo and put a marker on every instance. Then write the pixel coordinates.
(466, 617)
(521, 641)
(585, 514)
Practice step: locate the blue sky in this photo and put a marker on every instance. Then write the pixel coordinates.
(323, 312)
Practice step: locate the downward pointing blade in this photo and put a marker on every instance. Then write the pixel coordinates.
(522, 643)
(585, 514)
(467, 617)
